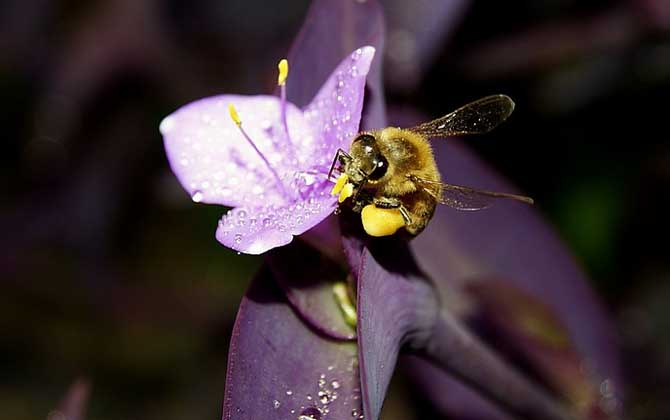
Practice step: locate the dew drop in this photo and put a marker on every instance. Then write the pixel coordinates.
(196, 197)
(310, 413)
(335, 384)
(324, 397)
(238, 238)
(267, 222)
(289, 392)
(166, 125)
(276, 404)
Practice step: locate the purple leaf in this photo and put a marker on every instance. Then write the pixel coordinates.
(398, 307)
(332, 29)
(395, 306)
(74, 403)
(416, 31)
(308, 282)
(279, 368)
(525, 327)
(511, 241)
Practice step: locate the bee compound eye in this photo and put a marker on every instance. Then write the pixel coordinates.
(381, 165)
(365, 139)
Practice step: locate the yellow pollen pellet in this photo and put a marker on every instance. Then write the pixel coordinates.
(283, 72)
(233, 114)
(339, 184)
(381, 222)
(346, 192)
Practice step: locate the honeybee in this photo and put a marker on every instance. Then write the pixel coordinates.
(391, 178)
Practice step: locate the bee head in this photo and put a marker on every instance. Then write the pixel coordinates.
(369, 161)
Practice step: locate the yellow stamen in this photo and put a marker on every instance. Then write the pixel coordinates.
(339, 184)
(347, 307)
(346, 192)
(381, 222)
(283, 72)
(233, 114)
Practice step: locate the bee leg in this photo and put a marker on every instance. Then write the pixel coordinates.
(340, 156)
(387, 202)
(393, 203)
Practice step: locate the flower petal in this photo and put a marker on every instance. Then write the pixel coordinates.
(258, 229)
(216, 164)
(330, 32)
(278, 368)
(335, 112)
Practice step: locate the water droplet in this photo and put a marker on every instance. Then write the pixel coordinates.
(276, 404)
(331, 367)
(335, 384)
(167, 125)
(324, 397)
(184, 162)
(238, 238)
(310, 413)
(267, 222)
(241, 214)
(196, 197)
(289, 392)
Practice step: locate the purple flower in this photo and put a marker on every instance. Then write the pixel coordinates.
(270, 161)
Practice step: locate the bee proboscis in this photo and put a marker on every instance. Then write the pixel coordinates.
(392, 178)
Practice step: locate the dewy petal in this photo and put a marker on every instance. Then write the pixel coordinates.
(335, 112)
(259, 229)
(216, 164)
(279, 368)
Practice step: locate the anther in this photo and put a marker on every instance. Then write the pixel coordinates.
(283, 72)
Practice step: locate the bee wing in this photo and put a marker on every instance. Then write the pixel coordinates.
(464, 198)
(478, 117)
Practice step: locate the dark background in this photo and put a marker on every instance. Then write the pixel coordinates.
(110, 274)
